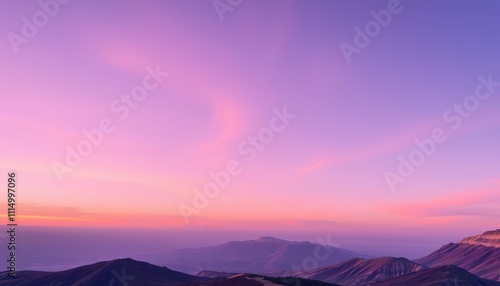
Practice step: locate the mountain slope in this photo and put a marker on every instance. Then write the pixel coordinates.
(266, 255)
(215, 274)
(360, 271)
(478, 254)
(135, 273)
(116, 272)
(258, 280)
(448, 275)
(488, 238)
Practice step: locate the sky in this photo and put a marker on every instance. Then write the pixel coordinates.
(307, 112)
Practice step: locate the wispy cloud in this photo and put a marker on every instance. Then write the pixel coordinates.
(229, 118)
(316, 166)
(36, 214)
(473, 203)
(495, 181)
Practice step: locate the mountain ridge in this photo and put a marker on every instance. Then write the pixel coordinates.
(265, 255)
(446, 275)
(488, 238)
(476, 254)
(360, 271)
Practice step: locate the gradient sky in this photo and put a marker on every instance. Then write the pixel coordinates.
(323, 172)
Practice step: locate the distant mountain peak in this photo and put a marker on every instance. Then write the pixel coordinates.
(271, 239)
(264, 255)
(489, 238)
(125, 261)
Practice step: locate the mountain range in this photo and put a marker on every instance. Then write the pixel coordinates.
(473, 261)
(479, 254)
(448, 275)
(266, 255)
(359, 271)
(116, 272)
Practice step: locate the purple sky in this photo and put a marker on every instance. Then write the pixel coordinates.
(331, 167)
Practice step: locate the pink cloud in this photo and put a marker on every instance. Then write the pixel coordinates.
(388, 144)
(495, 181)
(316, 166)
(471, 203)
(36, 214)
(229, 117)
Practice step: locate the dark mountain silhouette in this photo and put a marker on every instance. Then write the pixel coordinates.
(265, 256)
(116, 272)
(136, 273)
(214, 274)
(360, 271)
(259, 280)
(448, 275)
(478, 254)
